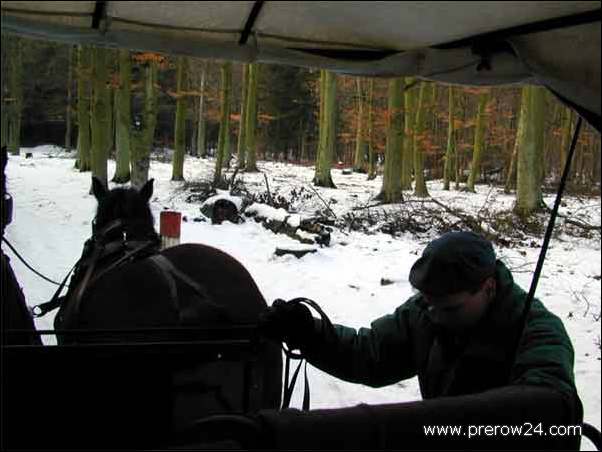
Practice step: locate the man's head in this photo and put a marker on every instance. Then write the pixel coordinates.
(456, 277)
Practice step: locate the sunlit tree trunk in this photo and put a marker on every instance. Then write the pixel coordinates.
(361, 145)
(180, 122)
(420, 189)
(595, 169)
(371, 156)
(479, 134)
(530, 149)
(68, 110)
(251, 117)
(4, 93)
(409, 100)
(511, 176)
(201, 123)
(242, 123)
(326, 144)
(565, 137)
(224, 126)
(15, 95)
(84, 92)
(100, 118)
(123, 114)
(447, 169)
(391, 189)
(143, 127)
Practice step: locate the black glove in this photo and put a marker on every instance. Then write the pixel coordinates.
(288, 322)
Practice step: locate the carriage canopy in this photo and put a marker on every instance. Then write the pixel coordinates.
(553, 43)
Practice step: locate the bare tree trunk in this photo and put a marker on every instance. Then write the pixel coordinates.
(180, 122)
(15, 88)
(224, 126)
(69, 96)
(565, 138)
(4, 92)
(326, 148)
(143, 130)
(201, 126)
(475, 169)
(420, 189)
(528, 186)
(408, 138)
(84, 93)
(123, 113)
(251, 115)
(511, 177)
(242, 124)
(371, 156)
(100, 120)
(360, 139)
(450, 140)
(391, 189)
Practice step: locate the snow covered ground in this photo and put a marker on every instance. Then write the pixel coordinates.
(53, 212)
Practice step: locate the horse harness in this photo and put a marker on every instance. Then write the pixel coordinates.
(98, 253)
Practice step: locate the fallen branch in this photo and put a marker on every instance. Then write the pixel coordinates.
(579, 224)
(368, 206)
(322, 199)
(268, 189)
(231, 183)
(470, 222)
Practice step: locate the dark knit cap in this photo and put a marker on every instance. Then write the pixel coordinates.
(455, 262)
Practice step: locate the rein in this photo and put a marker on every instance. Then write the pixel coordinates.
(95, 249)
(290, 355)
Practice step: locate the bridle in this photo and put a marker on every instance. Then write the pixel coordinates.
(96, 249)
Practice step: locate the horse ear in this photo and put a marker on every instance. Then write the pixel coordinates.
(147, 191)
(98, 189)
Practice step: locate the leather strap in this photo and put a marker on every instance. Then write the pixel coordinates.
(290, 386)
(187, 309)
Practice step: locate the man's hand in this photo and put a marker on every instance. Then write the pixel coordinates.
(288, 322)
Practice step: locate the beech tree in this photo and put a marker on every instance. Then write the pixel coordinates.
(328, 86)
(530, 149)
(180, 121)
(391, 189)
(123, 118)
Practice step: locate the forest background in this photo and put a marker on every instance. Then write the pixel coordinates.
(409, 131)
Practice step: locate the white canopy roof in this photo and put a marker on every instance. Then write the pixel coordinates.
(554, 43)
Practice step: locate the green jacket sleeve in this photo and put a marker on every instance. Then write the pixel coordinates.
(375, 356)
(545, 356)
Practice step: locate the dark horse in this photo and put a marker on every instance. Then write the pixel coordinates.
(189, 286)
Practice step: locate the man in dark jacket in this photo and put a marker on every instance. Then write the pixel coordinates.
(457, 334)
(15, 314)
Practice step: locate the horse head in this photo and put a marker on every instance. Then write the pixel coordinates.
(128, 205)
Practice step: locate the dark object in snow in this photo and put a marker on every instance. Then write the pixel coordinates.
(297, 253)
(224, 210)
(199, 219)
(28, 155)
(386, 282)
(347, 172)
(323, 238)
